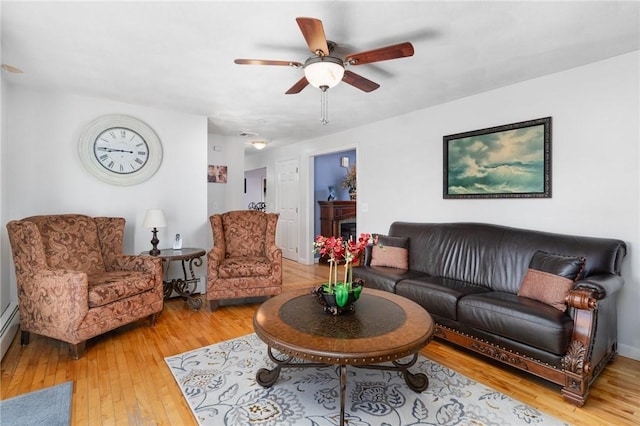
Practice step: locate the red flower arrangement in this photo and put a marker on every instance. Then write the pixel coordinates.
(337, 249)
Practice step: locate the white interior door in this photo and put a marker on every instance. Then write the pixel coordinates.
(287, 205)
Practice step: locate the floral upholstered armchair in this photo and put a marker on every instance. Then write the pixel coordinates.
(244, 260)
(73, 281)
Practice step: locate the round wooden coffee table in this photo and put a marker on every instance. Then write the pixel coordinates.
(383, 328)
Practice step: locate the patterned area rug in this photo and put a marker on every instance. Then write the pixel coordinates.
(219, 384)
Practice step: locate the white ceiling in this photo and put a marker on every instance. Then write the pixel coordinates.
(179, 56)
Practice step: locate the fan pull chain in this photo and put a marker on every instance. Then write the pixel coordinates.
(324, 105)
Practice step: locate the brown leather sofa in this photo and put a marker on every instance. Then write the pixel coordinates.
(468, 277)
(74, 282)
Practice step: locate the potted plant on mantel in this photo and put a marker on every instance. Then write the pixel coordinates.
(350, 181)
(336, 296)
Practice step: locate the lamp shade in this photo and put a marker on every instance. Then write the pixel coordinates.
(154, 219)
(324, 71)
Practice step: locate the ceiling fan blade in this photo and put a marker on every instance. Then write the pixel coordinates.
(401, 50)
(359, 81)
(297, 88)
(10, 68)
(267, 62)
(313, 33)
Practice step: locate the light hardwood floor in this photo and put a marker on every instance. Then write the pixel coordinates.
(123, 379)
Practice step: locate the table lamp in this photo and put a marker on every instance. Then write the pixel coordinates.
(154, 219)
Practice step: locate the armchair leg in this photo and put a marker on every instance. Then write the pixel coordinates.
(153, 318)
(77, 350)
(214, 304)
(24, 338)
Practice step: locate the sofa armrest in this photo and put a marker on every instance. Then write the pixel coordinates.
(601, 286)
(368, 250)
(54, 301)
(594, 341)
(214, 258)
(144, 264)
(274, 253)
(26, 245)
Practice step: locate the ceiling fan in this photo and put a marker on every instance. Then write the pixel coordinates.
(325, 70)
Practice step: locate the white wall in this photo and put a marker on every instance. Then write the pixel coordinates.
(595, 159)
(222, 197)
(8, 306)
(44, 174)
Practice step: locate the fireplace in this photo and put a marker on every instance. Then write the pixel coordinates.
(337, 219)
(348, 228)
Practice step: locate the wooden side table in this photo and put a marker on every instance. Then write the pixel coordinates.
(185, 287)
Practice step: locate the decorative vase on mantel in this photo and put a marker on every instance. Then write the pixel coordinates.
(340, 299)
(351, 181)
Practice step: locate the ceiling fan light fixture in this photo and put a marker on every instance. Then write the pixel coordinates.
(259, 144)
(324, 71)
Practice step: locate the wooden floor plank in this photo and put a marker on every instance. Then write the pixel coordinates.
(123, 377)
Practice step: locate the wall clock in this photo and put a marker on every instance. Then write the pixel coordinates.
(120, 149)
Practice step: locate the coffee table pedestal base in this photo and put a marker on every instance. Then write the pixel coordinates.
(267, 378)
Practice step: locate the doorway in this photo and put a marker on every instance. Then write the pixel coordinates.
(255, 187)
(329, 172)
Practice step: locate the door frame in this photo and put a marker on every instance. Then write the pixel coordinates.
(310, 192)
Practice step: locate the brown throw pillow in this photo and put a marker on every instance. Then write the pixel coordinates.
(392, 252)
(550, 277)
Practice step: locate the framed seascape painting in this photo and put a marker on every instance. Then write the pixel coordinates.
(510, 161)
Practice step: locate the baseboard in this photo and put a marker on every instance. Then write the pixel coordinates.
(629, 351)
(10, 322)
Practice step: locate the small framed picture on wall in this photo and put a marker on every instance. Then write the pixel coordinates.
(217, 174)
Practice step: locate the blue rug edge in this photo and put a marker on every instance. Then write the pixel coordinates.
(41, 406)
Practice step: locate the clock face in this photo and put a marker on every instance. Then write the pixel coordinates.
(120, 149)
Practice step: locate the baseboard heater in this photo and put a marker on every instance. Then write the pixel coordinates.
(10, 324)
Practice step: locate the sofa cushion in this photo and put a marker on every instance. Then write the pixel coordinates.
(235, 267)
(550, 277)
(70, 242)
(439, 296)
(109, 287)
(392, 252)
(518, 318)
(244, 233)
(383, 278)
